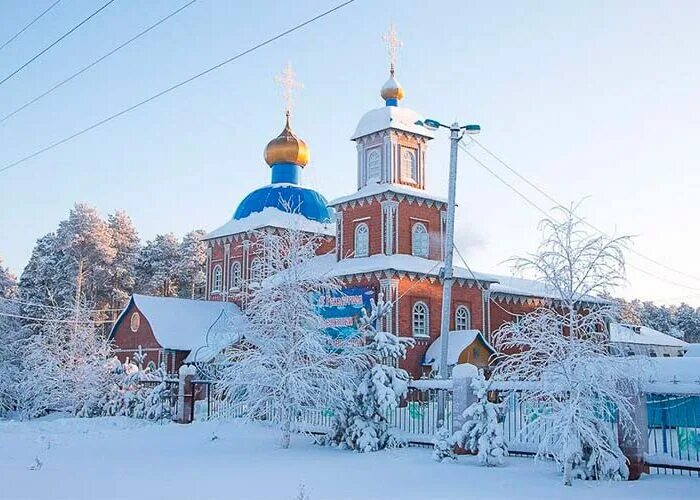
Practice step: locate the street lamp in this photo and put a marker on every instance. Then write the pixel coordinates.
(456, 134)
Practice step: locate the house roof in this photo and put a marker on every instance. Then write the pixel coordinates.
(634, 334)
(510, 285)
(182, 324)
(395, 117)
(379, 189)
(458, 341)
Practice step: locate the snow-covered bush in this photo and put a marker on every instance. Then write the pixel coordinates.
(443, 444)
(287, 363)
(361, 423)
(481, 431)
(563, 348)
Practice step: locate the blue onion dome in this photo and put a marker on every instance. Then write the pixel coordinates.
(287, 155)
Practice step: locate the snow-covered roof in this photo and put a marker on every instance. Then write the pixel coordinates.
(395, 117)
(458, 341)
(632, 334)
(376, 189)
(272, 217)
(510, 285)
(181, 324)
(676, 370)
(328, 265)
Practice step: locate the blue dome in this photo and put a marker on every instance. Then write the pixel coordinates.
(306, 202)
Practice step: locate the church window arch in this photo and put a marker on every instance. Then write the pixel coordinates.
(420, 319)
(374, 166)
(218, 277)
(463, 319)
(235, 275)
(361, 240)
(256, 270)
(409, 165)
(419, 240)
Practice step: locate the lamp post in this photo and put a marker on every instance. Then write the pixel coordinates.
(456, 134)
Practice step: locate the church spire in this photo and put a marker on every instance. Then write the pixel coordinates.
(392, 91)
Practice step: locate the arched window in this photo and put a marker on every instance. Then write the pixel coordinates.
(374, 167)
(361, 240)
(420, 320)
(409, 167)
(218, 276)
(256, 270)
(419, 240)
(151, 367)
(235, 275)
(463, 320)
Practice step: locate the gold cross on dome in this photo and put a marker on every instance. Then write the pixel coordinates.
(393, 45)
(288, 82)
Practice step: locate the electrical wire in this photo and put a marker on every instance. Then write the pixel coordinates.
(176, 86)
(26, 27)
(56, 42)
(58, 308)
(96, 61)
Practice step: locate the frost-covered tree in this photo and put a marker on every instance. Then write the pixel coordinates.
(287, 363)
(157, 266)
(42, 282)
(12, 334)
(561, 348)
(362, 423)
(8, 282)
(193, 259)
(481, 431)
(126, 244)
(443, 444)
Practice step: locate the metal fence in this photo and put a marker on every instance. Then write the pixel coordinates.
(674, 433)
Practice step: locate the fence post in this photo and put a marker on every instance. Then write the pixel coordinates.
(635, 444)
(185, 394)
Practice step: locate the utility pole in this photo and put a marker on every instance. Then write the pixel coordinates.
(456, 134)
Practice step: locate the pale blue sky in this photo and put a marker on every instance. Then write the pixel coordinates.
(597, 99)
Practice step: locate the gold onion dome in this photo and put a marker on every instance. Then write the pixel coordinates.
(287, 148)
(392, 89)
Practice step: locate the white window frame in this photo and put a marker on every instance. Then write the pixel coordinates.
(256, 270)
(420, 319)
(218, 278)
(361, 240)
(235, 277)
(409, 171)
(463, 318)
(420, 248)
(374, 166)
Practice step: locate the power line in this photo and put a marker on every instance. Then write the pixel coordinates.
(541, 210)
(97, 61)
(176, 86)
(46, 49)
(59, 308)
(53, 320)
(14, 37)
(589, 224)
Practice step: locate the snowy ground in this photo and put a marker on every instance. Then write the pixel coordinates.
(123, 458)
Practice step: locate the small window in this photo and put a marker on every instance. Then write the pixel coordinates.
(409, 169)
(462, 318)
(361, 240)
(135, 322)
(256, 270)
(151, 366)
(374, 167)
(652, 354)
(419, 240)
(235, 275)
(218, 277)
(420, 320)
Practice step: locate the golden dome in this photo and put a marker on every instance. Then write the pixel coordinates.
(287, 148)
(392, 89)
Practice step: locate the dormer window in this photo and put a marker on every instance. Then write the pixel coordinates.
(374, 167)
(361, 240)
(409, 165)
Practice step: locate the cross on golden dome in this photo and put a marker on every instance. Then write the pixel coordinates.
(288, 83)
(393, 45)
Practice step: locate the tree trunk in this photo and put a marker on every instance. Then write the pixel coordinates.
(286, 432)
(567, 472)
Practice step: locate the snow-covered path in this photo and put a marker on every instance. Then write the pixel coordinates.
(122, 458)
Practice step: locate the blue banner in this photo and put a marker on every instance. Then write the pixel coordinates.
(341, 310)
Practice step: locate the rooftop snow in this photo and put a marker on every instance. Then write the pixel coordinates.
(377, 189)
(642, 335)
(390, 117)
(182, 324)
(272, 217)
(511, 285)
(459, 340)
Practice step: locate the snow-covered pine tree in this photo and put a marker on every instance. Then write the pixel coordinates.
(193, 259)
(481, 431)
(157, 266)
(11, 336)
(287, 363)
(443, 444)
(157, 401)
(8, 282)
(42, 282)
(563, 347)
(361, 424)
(126, 244)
